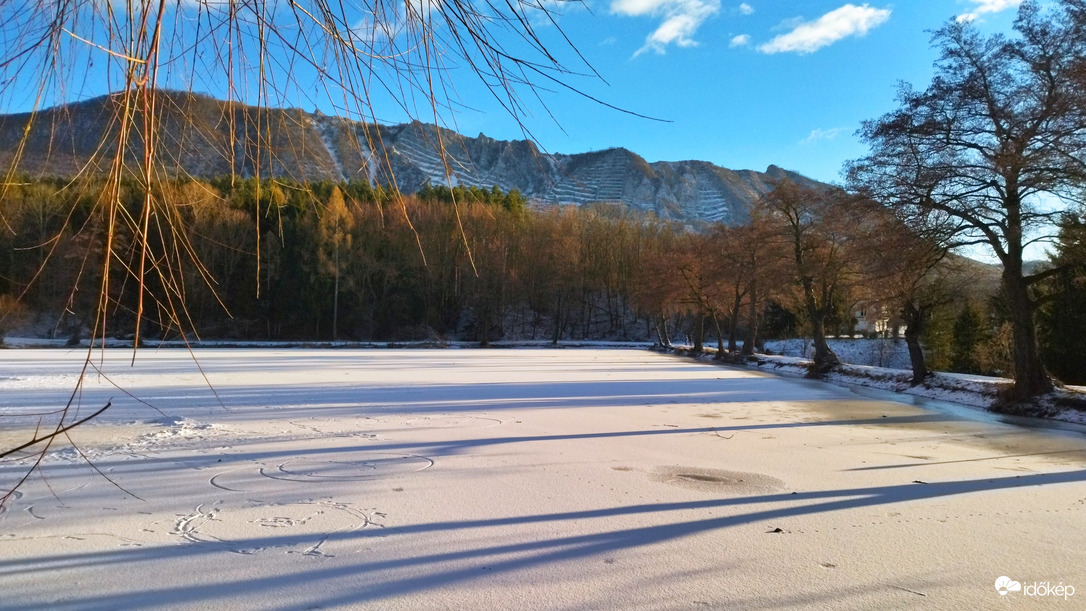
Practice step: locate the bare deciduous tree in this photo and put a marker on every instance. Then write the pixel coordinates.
(913, 276)
(995, 144)
(819, 228)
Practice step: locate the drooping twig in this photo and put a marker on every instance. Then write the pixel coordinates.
(60, 431)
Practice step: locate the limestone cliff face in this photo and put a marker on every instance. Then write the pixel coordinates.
(203, 137)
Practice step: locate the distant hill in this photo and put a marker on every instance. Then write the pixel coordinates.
(195, 139)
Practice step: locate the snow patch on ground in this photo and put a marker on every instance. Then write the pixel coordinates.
(182, 428)
(170, 433)
(972, 390)
(888, 352)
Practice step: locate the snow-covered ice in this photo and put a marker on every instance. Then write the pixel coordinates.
(560, 479)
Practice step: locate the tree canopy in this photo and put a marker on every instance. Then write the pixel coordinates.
(993, 148)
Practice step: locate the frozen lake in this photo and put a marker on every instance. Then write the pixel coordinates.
(488, 479)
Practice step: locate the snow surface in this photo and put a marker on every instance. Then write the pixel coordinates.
(557, 479)
(888, 353)
(966, 389)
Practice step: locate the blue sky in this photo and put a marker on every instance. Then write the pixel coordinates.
(740, 83)
(743, 84)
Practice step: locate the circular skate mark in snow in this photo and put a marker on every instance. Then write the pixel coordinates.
(346, 427)
(310, 470)
(311, 528)
(15, 495)
(451, 421)
(717, 480)
(313, 471)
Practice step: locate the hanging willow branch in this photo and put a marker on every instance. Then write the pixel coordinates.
(364, 59)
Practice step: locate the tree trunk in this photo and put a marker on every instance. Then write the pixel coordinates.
(557, 320)
(586, 312)
(719, 336)
(699, 334)
(1030, 377)
(482, 323)
(335, 301)
(659, 332)
(752, 321)
(733, 322)
(914, 328)
(824, 358)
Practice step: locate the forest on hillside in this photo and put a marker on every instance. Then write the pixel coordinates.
(279, 260)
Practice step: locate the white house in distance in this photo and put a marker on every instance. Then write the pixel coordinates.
(875, 319)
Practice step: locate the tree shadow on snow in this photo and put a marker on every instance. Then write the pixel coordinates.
(354, 582)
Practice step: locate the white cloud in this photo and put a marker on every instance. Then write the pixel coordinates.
(746, 9)
(740, 41)
(370, 34)
(787, 25)
(808, 37)
(420, 10)
(819, 135)
(988, 6)
(381, 25)
(681, 20)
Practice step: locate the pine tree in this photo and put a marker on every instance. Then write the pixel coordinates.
(1062, 320)
(969, 334)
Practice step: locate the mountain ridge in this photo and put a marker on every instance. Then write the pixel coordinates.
(204, 137)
